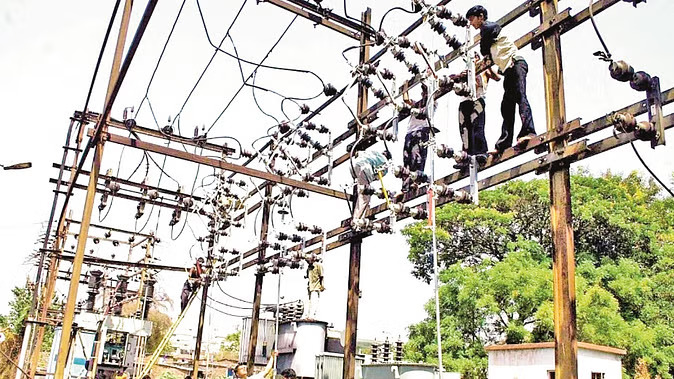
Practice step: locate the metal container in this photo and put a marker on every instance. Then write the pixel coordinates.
(299, 343)
(398, 371)
(266, 333)
(331, 366)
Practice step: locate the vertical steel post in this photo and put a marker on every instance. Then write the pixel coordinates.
(68, 314)
(257, 296)
(39, 310)
(566, 364)
(204, 300)
(353, 290)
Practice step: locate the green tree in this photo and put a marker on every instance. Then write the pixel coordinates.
(19, 307)
(497, 280)
(161, 323)
(229, 348)
(12, 326)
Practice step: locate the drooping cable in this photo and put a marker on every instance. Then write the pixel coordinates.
(234, 297)
(649, 169)
(257, 66)
(596, 30)
(194, 87)
(163, 50)
(367, 26)
(252, 63)
(381, 23)
(228, 305)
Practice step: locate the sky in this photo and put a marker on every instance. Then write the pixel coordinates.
(49, 50)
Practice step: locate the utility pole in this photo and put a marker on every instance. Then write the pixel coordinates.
(563, 267)
(204, 298)
(68, 315)
(353, 289)
(257, 296)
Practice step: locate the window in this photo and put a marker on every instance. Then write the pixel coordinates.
(598, 375)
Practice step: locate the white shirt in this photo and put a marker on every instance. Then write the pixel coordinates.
(502, 52)
(418, 124)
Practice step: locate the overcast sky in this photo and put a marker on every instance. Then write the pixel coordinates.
(49, 50)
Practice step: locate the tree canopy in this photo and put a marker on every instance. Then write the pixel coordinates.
(497, 272)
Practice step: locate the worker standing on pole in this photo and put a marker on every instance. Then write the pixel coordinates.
(415, 149)
(315, 286)
(502, 52)
(472, 118)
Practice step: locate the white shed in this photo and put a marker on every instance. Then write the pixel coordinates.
(537, 361)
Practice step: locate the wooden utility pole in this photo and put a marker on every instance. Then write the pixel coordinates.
(257, 296)
(566, 349)
(353, 290)
(204, 300)
(69, 311)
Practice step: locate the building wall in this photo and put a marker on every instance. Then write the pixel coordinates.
(520, 364)
(535, 364)
(590, 361)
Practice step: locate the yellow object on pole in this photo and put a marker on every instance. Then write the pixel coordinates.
(167, 337)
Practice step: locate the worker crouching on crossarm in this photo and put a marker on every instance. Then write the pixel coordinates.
(502, 52)
(367, 165)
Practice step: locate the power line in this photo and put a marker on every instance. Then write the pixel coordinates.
(147, 89)
(257, 66)
(209, 63)
(228, 305)
(208, 37)
(651, 171)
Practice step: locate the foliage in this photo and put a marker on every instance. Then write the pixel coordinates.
(168, 375)
(9, 348)
(19, 307)
(497, 278)
(229, 349)
(161, 323)
(12, 326)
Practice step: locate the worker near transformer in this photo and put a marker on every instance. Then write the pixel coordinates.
(502, 52)
(314, 286)
(192, 283)
(241, 370)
